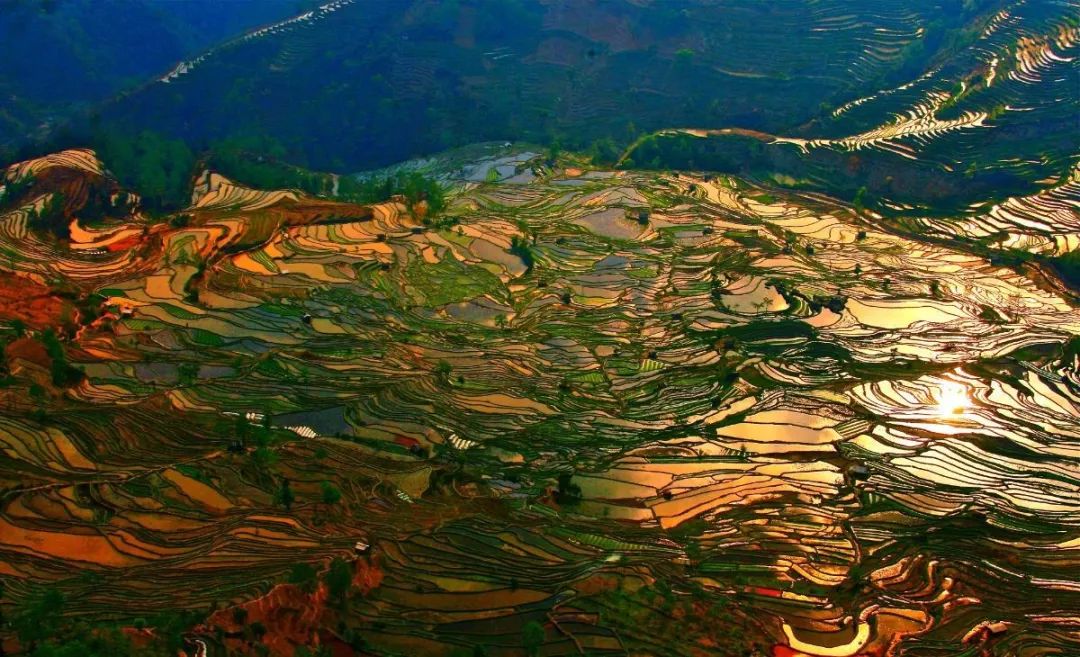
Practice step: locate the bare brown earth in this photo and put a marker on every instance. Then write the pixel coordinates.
(34, 304)
(291, 616)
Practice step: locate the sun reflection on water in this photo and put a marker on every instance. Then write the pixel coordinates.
(952, 399)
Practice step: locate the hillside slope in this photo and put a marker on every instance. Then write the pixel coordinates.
(61, 55)
(358, 85)
(998, 117)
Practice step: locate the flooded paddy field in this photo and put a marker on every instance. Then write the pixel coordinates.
(652, 413)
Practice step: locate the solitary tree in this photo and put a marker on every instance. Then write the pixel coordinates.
(339, 580)
(285, 495)
(242, 429)
(304, 576)
(188, 372)
(860, 200)
(443, 369)
(330, 494)
(63, 374)
(53, 218)
(568, 492)
(532, 635)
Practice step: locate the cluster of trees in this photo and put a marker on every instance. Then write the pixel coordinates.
(258, 161)
(5, 368)
(161, 169)
(338, 579)
(443, 369)
(52, 216)
(532, 637)
(329, 493)
(44, 631)
(14, 188)
(100, 204)
(604, 152)
(157, 168)
(243, 431)
(520, 247)
(1068, 267)
(18, 330)
(412, 185)
(284, 495)
(863, 178)
(63, 373)
(567, 493)
(686, 152)
(860, 200)
(253, 161)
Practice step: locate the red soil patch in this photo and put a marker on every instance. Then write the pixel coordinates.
(140, 638)
(368, 575)
(292, 617)
(406, 442)
(126, 244)
(29, 350)
(34, 304)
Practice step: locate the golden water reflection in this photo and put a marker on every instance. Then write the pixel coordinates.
(952, 399)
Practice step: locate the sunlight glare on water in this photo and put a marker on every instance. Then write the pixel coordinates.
(952, 399)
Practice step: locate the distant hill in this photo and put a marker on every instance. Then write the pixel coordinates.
(362, 84)
(996, 114)
(59, 55)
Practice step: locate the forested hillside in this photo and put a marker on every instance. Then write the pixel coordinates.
(62, 55)
(357, 85)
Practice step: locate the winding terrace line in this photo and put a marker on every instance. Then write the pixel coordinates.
(697, 132)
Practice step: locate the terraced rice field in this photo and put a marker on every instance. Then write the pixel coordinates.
(792, 432)
(981, 145)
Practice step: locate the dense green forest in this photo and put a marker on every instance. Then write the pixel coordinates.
(415, 79)
(160, 170)
(44, 631)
